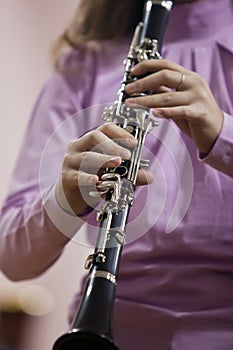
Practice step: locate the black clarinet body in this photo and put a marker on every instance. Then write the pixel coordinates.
(92, 325)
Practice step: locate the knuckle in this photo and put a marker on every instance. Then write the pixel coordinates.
(66, 159)
(166, 64)
(82, 159)
(104, 128)
(93, 136)
(199, 80)
(168, 98)
(145, 65)
(82, 155)
(71, 146)
(140, 84)
(186, 112)
(201, 88)
(165, 74)
(204, 94)
(203, 116)
(65, 175)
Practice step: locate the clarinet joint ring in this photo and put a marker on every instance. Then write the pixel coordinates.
(104, 274)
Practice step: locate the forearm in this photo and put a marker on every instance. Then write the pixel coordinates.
(33, 237)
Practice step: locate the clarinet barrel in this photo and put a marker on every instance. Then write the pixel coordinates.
(92, 326)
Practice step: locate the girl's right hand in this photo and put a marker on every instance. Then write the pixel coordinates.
(86, 158)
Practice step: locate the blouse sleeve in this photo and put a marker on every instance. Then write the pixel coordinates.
(33, 229)
(221, 155)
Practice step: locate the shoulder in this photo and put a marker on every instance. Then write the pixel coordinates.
(88, 58)
(76, 63)
(80, 68)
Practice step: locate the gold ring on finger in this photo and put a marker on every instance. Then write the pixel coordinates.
(182, 79)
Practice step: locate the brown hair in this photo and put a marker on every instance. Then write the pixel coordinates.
(100, 19)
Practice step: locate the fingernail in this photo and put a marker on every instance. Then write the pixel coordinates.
(131, 102)
(92, 180)
(158, 113)
(114, 160)
(130, 88)
(125, 153)
(134, 69)
(132, 142)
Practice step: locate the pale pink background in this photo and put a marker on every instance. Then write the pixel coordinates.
(27, 28)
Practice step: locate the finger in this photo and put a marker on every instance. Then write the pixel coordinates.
(177, 113)
(89, 161)
(151, 66)
(115, 132)
(72, 179)
(168, 78)
(99, 142)
(161, 89)
(102, 139)
(167, 99)
(85, 179)
(144, 178)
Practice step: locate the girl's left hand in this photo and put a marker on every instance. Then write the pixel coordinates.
(181, 95)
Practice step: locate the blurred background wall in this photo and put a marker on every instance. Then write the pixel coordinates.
(27, 28)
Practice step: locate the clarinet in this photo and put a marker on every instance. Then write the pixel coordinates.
(92, 325)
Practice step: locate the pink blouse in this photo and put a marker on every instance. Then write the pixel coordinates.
(175, 283)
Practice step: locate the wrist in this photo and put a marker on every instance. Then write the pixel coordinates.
(81, 209)
(61, 199)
